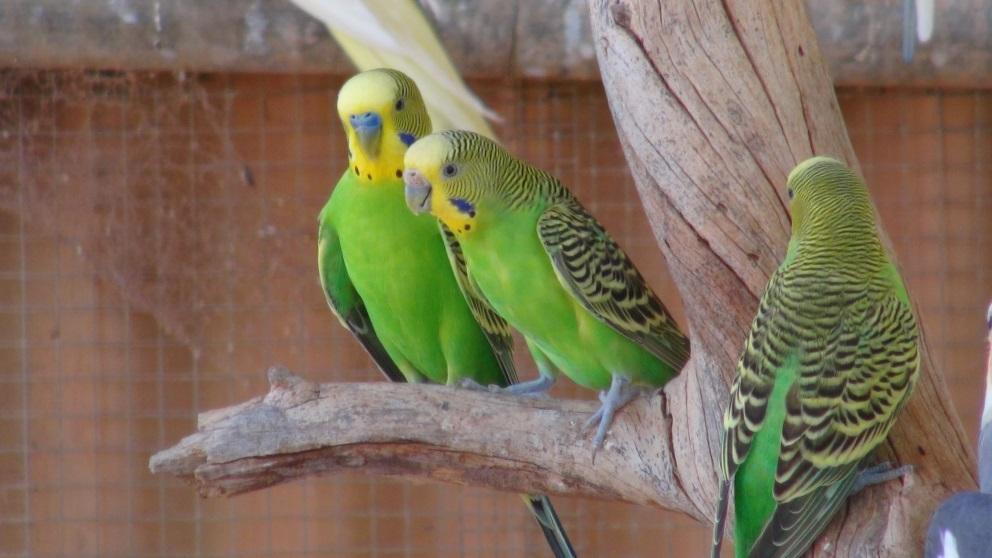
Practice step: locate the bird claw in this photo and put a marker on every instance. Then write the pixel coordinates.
(877, 474)
(620, 393)
(593, 419)
(470, 384)
(533, 388)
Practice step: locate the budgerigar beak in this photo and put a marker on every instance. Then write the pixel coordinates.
(417, 190)
(368, 129)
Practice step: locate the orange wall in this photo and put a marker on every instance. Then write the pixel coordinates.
(157, 256)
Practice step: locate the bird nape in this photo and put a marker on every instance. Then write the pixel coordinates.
(829, 361)
(383, 268)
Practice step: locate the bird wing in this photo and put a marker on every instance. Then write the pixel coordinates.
(849, 390)
(749, 396)
(852, 380)
(345, 301)
(601, 277)
(495, 328)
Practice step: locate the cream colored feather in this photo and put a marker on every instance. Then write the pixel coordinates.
(924, 20)
(396, 34)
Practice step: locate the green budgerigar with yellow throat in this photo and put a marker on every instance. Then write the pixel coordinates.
(549, 268)
(394, 279)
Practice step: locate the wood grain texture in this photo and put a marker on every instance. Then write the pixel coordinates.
(715, 102)
(523, 444)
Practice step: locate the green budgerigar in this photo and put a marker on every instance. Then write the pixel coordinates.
(390, 276)
(541, 261)
(830, 360)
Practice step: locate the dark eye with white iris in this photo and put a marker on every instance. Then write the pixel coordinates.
(791, 193)
(400, 104)
(449, 170)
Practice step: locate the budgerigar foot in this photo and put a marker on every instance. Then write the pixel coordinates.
(538, 386)
(469, 383)
(620, 393)
(877, 474)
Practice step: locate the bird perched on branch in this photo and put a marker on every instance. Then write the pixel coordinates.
(396, 34)
(962, 526)
(386, 272)
(830, 360)
(535, 255)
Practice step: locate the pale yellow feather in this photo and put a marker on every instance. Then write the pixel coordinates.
(396, 34)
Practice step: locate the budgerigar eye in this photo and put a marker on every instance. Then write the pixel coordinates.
(400, 104)
(449, 170)
(791, 193)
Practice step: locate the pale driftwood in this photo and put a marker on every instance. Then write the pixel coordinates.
(437, 432)
(486, 38)
(713, 109)
(715, 102)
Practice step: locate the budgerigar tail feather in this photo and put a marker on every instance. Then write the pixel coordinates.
(397, 34)
(554, 531)
(721, 518)
(374, 348)
(796, 524)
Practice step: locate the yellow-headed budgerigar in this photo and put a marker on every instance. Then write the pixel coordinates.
(386, 272)
(830, 360)
(542, 262)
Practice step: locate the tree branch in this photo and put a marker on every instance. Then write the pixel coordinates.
(445, 434)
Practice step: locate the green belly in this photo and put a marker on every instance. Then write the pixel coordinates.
(398, 264)
(508, 262)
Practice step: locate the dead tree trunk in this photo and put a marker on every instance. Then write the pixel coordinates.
(714, 102)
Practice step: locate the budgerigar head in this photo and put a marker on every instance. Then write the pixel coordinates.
(457, 176)
(382, 113)
(826, 196)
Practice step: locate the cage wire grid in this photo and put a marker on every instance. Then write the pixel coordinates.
(157, 245)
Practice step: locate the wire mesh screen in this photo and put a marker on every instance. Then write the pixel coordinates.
(157, 255)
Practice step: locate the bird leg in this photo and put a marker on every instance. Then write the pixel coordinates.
(469, 383)
(547, 373)
(620, 393)
(877, 474)
(539, 386)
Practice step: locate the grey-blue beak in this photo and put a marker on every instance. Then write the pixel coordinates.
(417, 190)
(368, 129)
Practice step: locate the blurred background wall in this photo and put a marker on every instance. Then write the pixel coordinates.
(157, 255)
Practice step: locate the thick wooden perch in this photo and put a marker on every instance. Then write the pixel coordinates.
(446, 434)
(714, 102)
